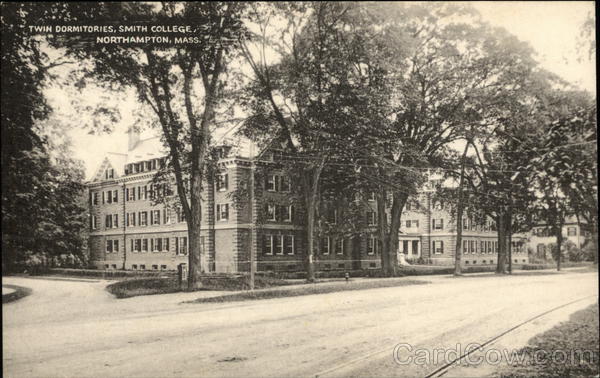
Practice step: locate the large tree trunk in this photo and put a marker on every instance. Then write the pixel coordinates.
(501, 232)
(388, 238)
(559, 242)
(311, 188)
(509, 238)
(459, 215)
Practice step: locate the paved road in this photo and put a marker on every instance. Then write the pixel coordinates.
(76, 329)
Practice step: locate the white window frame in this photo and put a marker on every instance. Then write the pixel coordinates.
(166, 244)
(339, 251)
(109, 246)
(269, 244)
(155, 217)
(94, 222)
(145, 245)
(435, 249)
(143, 218)
(222, 182)
(279, 251)
(115, 221)
(293, 244)
(328, 244)
(288, 218)
(271, 212)
(271, 182)
(286, 179)
(371, 245)
(219, 208)
(182, 244)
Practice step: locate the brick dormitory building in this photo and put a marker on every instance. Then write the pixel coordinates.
(130, 230)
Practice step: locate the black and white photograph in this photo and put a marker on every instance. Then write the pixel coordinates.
(299, 189)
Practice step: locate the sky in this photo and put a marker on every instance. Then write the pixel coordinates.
(550, 27)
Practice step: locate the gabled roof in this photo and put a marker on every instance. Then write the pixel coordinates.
(146, 149)
(113, 160)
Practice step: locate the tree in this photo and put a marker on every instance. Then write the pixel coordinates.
(457, 75)
(566, 169)
(40, 184)
(319, 97)
(189, 79)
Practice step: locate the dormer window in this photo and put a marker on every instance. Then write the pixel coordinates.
(109, 173)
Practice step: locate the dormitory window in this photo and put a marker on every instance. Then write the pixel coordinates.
(482, 247)
(438, 247)
(130, 219)
(112, 246)
(180, 215)
(143, 218)
(465, 246)
(277, 183)
(571, 231)
(136, 245)
(438, 224)
(412, 224)
(222, 212)
(96, 197)
(289, 244)
(130, 194)
(371, 245)
(473, 245)
(268, 245)
(109, 173)
(271, 212)
(371, 218)
(271, 183)
(159, 244)
(222, 182)
(285, 184)
(278, 244)
(155, 217)
(115, 196)
(325, 245)
(181, 245)
(286, 213)
(339, 246)
(111, 221)
(94, 222)
(144, 245)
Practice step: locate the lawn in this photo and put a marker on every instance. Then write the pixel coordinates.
(309, 289)
(164, 285)
(567, 350)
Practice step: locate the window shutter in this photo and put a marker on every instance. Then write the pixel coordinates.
(442, 246)
(226, 181)
(152, 244)
(442, 224)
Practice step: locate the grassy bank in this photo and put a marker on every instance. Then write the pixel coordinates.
(545, 354)
(19, 293)
(308, 289)
(164, 285)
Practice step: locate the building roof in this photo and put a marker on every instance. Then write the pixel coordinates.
(151, 147)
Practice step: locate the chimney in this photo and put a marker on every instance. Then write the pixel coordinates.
(133, 137)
